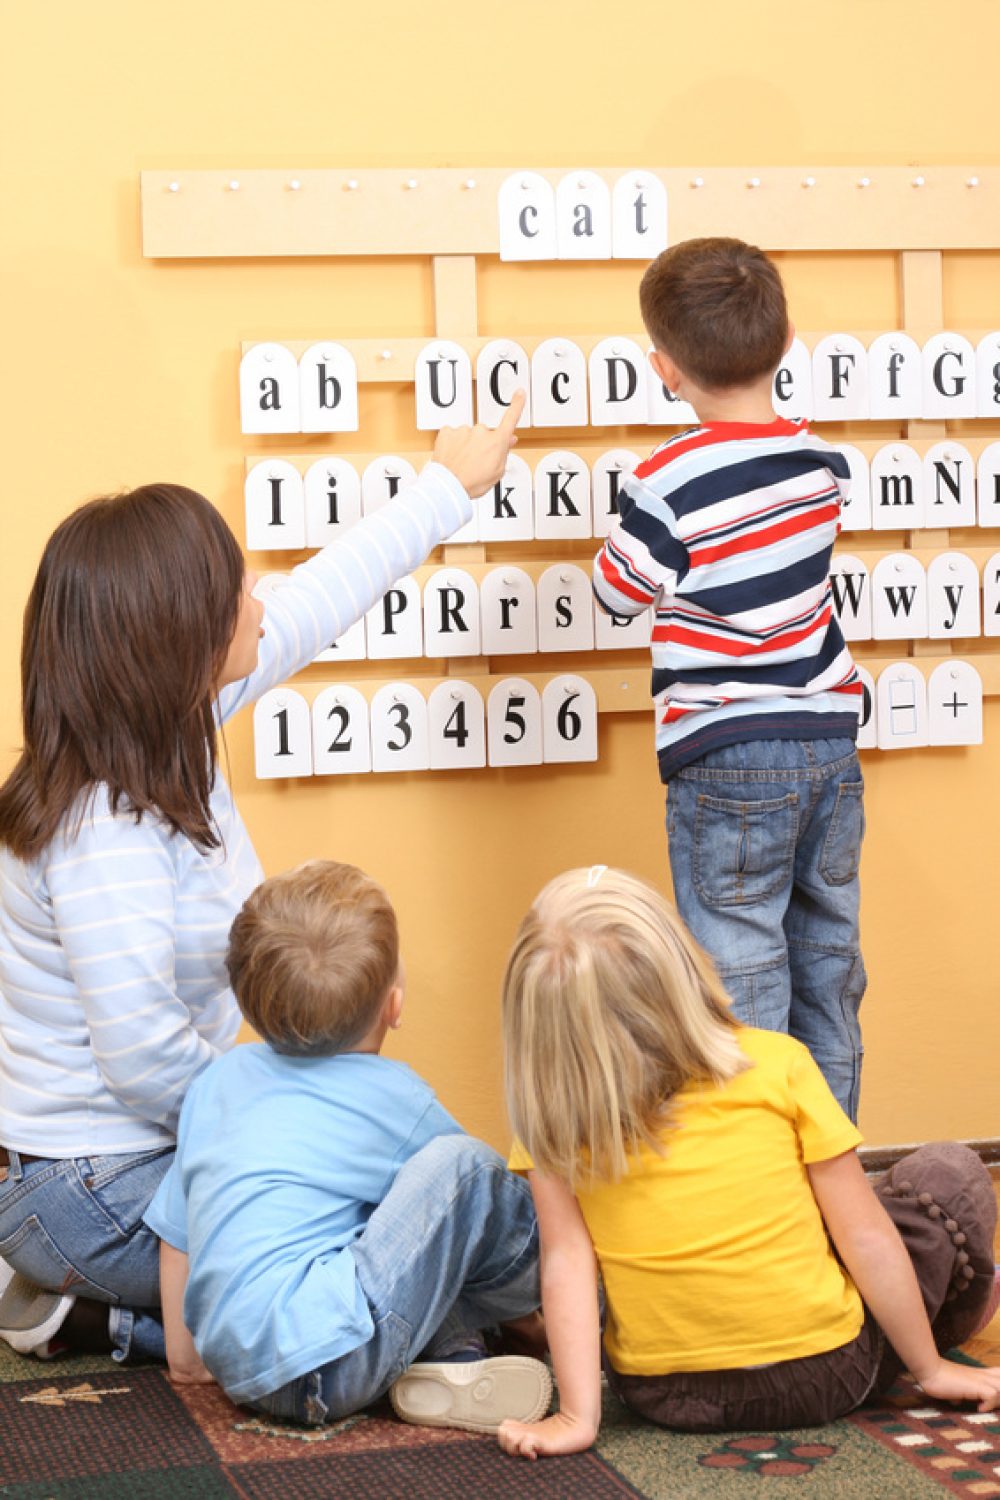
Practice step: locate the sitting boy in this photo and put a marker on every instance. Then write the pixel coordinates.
(326, 1222)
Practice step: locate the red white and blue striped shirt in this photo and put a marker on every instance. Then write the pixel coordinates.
(727, 531)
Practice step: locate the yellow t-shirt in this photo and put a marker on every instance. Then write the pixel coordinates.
(714, 1255)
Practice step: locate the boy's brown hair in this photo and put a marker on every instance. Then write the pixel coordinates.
(312, 956)
(716, 308)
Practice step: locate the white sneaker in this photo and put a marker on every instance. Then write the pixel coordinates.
(477, 1395)
(29, 1316)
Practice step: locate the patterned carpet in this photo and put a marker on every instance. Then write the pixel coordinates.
(85, 1429)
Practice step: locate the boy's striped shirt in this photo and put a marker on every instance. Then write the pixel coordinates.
(727, 531)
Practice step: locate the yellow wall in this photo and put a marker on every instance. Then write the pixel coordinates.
(117, 371)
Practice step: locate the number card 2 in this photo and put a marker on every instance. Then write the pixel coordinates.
(514, 724)
(399, 729)
(282, 735)
(341, 737)
(569, 719)
(456, 725)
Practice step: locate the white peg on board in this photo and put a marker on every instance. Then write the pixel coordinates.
(508, 612)
(895, 378)
(333, 500)
(382, 480)
(569, 720)
(456, 720)
(442, 378)
(899, 595)
(840, 379)
(952, 597)
(583, 217)
(617, 368)
(901, 714)
(328, 389)
(988, 375)
(275, 506)
(514, 724)
(451, 614)
(502, 367)
(341, 732)
(562, 496)
(867, 722)
(565, 609)
(400, 741)
(988, 486)
(394, 627)
(991, 596)
(663, 408)
(507, 512)
(349, 646)
(606, 478)
(955, 704)
(792, 392)
(558, 385)
(949, 486)
(269, 389)
(855, 493)
(638, 216)
(622, 632)
(897, 488)
(949, 362)
(852, 598)
(282, 735)
(526, 208)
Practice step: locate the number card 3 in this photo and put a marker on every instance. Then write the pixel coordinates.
(399, 729)
(569, 719)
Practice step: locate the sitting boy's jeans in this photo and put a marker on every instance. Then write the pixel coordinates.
(452, 1247)
(765, 842)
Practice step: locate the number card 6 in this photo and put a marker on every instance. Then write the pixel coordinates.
(341, 740)
(569, 719)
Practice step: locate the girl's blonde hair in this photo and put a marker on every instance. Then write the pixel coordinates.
(609, 1007)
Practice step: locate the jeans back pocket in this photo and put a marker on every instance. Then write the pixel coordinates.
(744, 851)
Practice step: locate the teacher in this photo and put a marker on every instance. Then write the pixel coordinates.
(123, 861)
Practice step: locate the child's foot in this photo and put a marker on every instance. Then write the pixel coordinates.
(477, 1396)
(30, 1318)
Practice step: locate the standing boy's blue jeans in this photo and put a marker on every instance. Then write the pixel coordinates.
(75, 1226)
(452, 1247)
(765, 842)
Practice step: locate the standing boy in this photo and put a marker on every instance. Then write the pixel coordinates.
(727, 532)
(325, 1223)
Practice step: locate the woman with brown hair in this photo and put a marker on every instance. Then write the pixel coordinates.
(123, 860)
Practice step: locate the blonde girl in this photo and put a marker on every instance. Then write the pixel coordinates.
(705, 1170)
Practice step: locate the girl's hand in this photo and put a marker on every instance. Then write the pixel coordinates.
(949, 1381)
(559, 1434)
(477, 456)
(189, 1371)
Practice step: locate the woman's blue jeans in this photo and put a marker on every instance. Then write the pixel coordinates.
(76, 1227)
(765, 843)
(452, 1247)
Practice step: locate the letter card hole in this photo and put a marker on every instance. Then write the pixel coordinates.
(502, 368)
(451, 614)
(399, 729)
(569, 719)
(952, 597)
(583, 217)
(457, 726)
(558, 385)
(617, 369)
(902, 707)
(895, 378)
(443, 386)
(269, 389)
(507, 512)
(514, 724)
(638, 216)
(562, 496)
(282, 735)
(899, 594)
(275, 506)
(328, 389)
(949, 488)
(382, 481)
(341, 733)
(333, 500)
(526, 206)
(394, 627)
(949, 377)
(897, 488)
(607, 476)
(840, 379)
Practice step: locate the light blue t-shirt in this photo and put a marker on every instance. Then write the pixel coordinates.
(280, 1163)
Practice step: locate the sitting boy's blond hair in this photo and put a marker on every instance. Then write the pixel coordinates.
(312, 957)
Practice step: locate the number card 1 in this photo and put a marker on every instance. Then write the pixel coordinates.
(282, 735)
(341, 737)
(569, 719)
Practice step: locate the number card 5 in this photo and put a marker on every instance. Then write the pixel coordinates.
(514, 724)
(341, 738)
